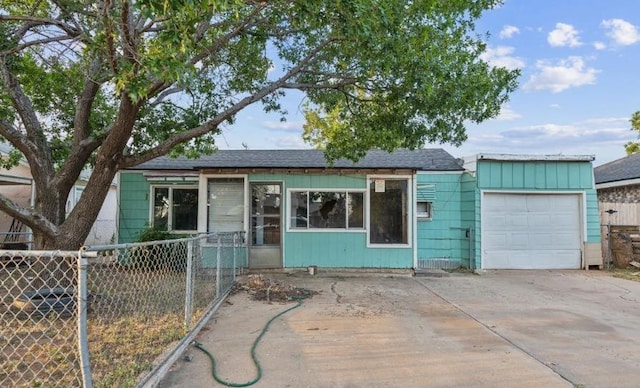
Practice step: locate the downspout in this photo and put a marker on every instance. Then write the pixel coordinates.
(414, 221)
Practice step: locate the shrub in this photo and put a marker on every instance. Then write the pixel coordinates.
(155, 257)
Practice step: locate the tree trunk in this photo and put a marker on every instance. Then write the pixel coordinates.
(73, 231)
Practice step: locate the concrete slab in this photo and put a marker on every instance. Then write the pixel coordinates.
(581, 324)
(396, 331)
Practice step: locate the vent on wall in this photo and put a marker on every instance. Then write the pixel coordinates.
(439, 263)
(426, 192)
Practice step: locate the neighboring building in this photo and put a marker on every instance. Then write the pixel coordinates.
(104, 229)
(17, 185)
(406, 209)
(618, 185)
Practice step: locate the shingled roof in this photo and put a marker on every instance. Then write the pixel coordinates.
(618, 170)
(431, 159)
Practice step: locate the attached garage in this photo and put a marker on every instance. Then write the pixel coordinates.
(531, 231)
(534, 212)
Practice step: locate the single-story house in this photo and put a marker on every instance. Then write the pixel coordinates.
(399, 210)
(618, 187)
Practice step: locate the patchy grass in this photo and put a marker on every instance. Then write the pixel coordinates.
(460, 269)
(630, 273)
(134, 317)
(123, 350)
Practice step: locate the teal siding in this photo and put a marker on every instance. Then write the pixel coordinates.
(133, 199)
(443, 236)
(468, 216)
(341, 250)
(514, 175)
(538, 176)
(332, 249)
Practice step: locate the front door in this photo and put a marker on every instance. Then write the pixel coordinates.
(265, 236)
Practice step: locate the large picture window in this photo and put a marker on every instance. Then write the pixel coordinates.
(388, 217)
(175, 209)
(327, 210)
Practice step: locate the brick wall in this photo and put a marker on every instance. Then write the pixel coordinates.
(624, 194)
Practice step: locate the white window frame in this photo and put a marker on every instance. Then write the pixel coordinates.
(324, 230)
(170, 214)
(426, 215)
(410, 210)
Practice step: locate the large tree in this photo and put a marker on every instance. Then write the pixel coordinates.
(111, 84)
(633, 147)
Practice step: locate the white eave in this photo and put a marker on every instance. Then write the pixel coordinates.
(537, 158)
(14, 180)
(626, 182)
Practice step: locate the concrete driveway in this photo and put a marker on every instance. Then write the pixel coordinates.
(502, 328)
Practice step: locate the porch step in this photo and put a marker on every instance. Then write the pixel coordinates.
(430, 272)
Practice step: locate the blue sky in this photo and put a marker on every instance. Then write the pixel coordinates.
(580, 62)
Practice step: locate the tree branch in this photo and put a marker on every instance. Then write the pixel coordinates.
(39, 42)
(35, 148)
(215, 47)
(35, 22)
(85, 102)
(34, 220)
(165, 147)
(316, 86)
(14, 136)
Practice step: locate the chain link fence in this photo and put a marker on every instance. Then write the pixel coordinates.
(108, 315)
(38, 316)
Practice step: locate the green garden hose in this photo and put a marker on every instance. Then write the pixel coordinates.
(198, 345)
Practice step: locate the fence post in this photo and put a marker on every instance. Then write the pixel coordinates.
(188, 303)
(218, 270)
(235, 248)
(83, 345)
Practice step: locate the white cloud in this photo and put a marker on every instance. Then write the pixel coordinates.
(507, 114)
(599, 45)
(286, 126)
(603, 137)
(554, 106)
(621, 31)
(501, 56)
(289, 142)
(564, 35)
(567, 73)
(508, 31)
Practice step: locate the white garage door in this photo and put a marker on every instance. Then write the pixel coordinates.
(530, 231)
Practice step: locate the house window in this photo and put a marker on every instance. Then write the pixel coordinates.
(175, 209)
(388, 219)
(423, 210)
(326, 210)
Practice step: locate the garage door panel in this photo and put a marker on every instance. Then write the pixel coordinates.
(535, 204)
(556, 259)
(518, 241)
(496, 240)
(499, 222)
(541, 241)
(514, 204)
(564, 221)
(531, 231)
(565, 240)
(517, 220)
(539, 220)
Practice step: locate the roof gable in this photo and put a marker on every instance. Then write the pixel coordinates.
(431, 159)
